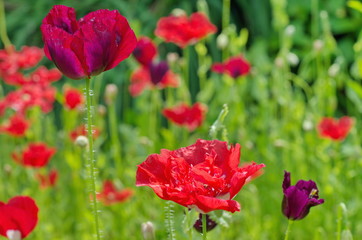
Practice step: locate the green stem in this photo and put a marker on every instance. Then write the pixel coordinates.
(290, 222)
(225, 23)
(3, 35)
(204, 230)
(91, 159)
(115, 138)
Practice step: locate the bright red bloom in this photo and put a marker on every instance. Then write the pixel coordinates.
(156, 75)
(184, 31)
(73, 98)
(12, 61)
(234, 67)
(16, 127)
(191, 117)
(18, 217)
(41, 76)
(82, 131)
(97, 42)
(110, 195)
(204, 176)
(335, 129)
(48, 180)
(145, 51)
(29, 96)
(35, 155)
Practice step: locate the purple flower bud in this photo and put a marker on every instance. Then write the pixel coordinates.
(300, 198)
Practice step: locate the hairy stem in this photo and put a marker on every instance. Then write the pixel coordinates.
(91, 159)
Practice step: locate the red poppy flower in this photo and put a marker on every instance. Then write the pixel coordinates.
(29, 96)
(16, 127)
(145, 51)
(184, 31)
(73, 98)
(110, 195)
(191, 117)
(41, 76)
(82, 131)
(18, 217)
(11, 61)
(234, 67)
(97, 42)
(48, 180)
(35, 155)
(335, 129)
(204, 176)
(156, 75)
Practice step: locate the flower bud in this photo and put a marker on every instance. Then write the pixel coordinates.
(222, 41)
(178, 12)
(148, 231)
(318, 45)
(292, 59)
(81, 141)
(110, 93)
(102, 110)
(172, 57)
(289, 30)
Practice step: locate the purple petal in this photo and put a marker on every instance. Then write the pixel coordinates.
(286, 182)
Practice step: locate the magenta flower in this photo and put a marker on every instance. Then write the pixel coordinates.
(300, 198)
(96, 43)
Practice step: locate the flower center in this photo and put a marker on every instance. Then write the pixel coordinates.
(313, 193)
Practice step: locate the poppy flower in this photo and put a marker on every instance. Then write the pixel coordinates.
(300, 198)
(234, 67)
(184, 31)
(11, 61)
(189, 116)
(41, 76)
(18, 217)
(48, 180)
(73, 98)
(16, 127)
(110, 195)
(335, 129)
(97, 42)
(82, 131)
(145, 51)
(29, 96)
(155, 75)
(35, 155)
(205, 176)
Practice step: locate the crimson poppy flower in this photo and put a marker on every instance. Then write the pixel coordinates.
(300, 198)
(11, 61)
(97, 42)
(155, 75)
(18, 217)
(335, 129)
(110, 195)
(73, 98)
(205, 176)
(82, 131)
(29, 96)
(184, 31)
(48, 180)
(189, 116)
(145, 51)
(41, 76)
(234, 67)
(16, 127)
(35, 155)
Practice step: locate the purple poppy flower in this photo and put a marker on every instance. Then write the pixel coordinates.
(95, 43)
(300, 198)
